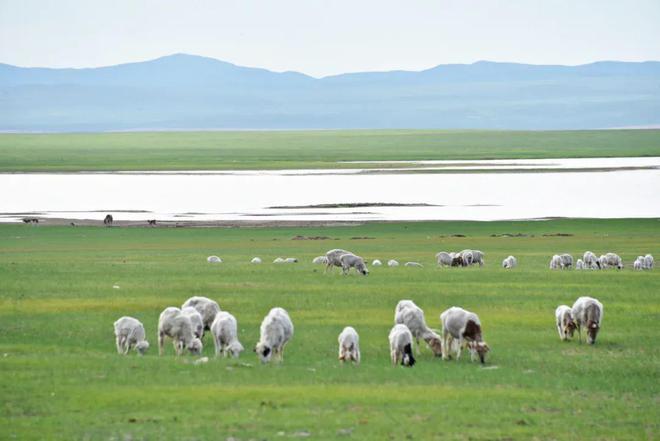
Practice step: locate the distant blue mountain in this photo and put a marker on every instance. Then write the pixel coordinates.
(186, 92)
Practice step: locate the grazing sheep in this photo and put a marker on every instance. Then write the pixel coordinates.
(602, 262)
(566, 260)
(206, 307)
(556, 262)
(129, 332)
(255, 260)
(509, 263)
(276, 331)
(290, 260)
(468, 257)
(411, 315)
(638, 265)
(465, 327)
(579, 264)
(594, 265)
(152, 222)
(457, 260)
(565, 324)
(614, 260)
(392, 263)
(648, 261)
(588, 313)
(196, 320)
(401, 346)
(478, 257)
(349, 261)
(278, 260)
(213, 259)
(376, 262)
(349, 345)
(172, 323)
(444, 258)
(225, 335)
(590, 259)
(333, 256)
(108, 219)
(320, 260)
(414, 264)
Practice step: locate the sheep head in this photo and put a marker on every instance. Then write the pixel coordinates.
(264, 351)
(142, 347)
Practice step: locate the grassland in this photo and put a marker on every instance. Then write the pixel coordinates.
(60, 377)
(304, 149)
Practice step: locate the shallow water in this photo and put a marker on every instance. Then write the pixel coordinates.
(247, 195)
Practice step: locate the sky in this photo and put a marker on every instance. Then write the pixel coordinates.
(325, 37)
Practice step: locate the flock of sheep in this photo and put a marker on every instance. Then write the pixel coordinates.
(460, 328)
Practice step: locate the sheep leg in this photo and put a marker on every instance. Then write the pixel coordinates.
(561, 334)
(579, 334)
(459, 348)
(118, 343)
(218, 349)
(445, 345)
(418, 351)
(394, 357)
(161, 341)
(126, 345)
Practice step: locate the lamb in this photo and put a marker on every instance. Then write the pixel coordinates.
(409, 314)
(588, 313)
(320, 260)
(225, 335)
(206, 307)
(566, 260)
(349, 261)
(172, 323)
(349, 345)
(444, 258)
(129, 332)
(213, 259)
(638, 265)
(376, 262)
(255, 260)
(556, 262)
(414, 264)
(590, 259)
(392, 263)
(333, 256)
(579, 264)
(614, 260)
(510, 262)
(276, 331)
(648, 261)
(401, 346)
(278, 260)
(465, 327)
(565, 324)
(196, 320)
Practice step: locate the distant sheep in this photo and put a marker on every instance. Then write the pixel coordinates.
(255, 260)
(108, 220)
(213, 259)
(349, 261)
(411, 315)
(290, 260)
(566, 260)
(129, 332)
(177, 326)
(206, 307)
(332, 258)
(457, 259)
(349, 345)
(556, 262)
(579, 264)
(462, 326)
(478, 257)
(225, 335)
(510, 262)
(376, 262)
(278, 260)
(444, 258)
(648, 262)
(414, 264)
(196, 320)
(590, 259)
(588, 313)
(468, 257)
(602, 262)
(401, 346)
(320, 260)
(613, 260)
(638, 265)
(392, 263)
(276, 330)
(565, 324)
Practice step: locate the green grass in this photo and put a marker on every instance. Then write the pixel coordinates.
(61, 379)
(304, 149)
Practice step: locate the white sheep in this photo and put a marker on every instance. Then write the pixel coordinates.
(320, 260)
(462, 326)
(276, 330)
(638, 265)
(256, 260)
(602, 261)
(349, 261)
(392, 263)
(290, 260)
(588, 313)
(411, 315)
(129, 332)
(556, 262)
(225, 335)
(400, 339)
(565, 324)
(614, 260)
(648, 261)
(213, 259)
(478, 257)
(206, 307)
(177, 326)
(566, 260)
(510, 262)
(196, 320)
(579, 264)
(468, 257)
(376, 262)
(414, 264)
(590, 259)
(444, 258)
(278, 260)
(333, 256)
(349, 345)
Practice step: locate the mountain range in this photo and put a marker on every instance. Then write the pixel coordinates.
(192, 92)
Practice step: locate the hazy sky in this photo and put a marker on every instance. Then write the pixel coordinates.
(322, 37)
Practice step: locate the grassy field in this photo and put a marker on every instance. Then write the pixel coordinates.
(304, 149)
(60, 377)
